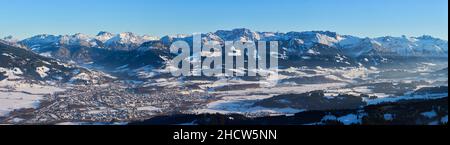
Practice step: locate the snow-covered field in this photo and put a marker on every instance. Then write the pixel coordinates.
(9, 101)
(406, 97)
(241, 101)
(18, 95)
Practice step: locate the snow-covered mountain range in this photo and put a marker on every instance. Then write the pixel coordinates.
(352, 45)
(106, 40)
(309, 46)
(124, 77)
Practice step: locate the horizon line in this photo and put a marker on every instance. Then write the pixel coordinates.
(167, 34)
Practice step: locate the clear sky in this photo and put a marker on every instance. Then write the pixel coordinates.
(364, 18)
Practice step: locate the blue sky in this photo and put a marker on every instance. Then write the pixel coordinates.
(364, 18)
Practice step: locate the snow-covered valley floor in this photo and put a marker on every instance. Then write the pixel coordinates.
(19, 95)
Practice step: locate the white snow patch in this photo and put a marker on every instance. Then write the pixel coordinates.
(42, 71)
(407, 97)
(46, 54)
(148, 108)
(10, 101)
(8, 55)
(11, 73)
(430, 114)
(350, 119)
(17, 95)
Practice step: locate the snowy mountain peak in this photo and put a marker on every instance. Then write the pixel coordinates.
(104, 36)
(125, 38)
(240, 34)
(127, 41)
(316, 37)
(430, 39)
(82, 36)
(102, 33)
(415, 46)
(78, 39)
(172, 38)
(40, 40)
(150, 38)
(10, 39)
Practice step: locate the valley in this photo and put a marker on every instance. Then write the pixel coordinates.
(124, 79)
